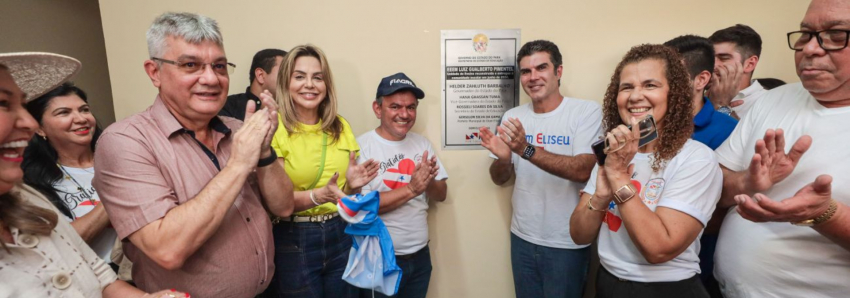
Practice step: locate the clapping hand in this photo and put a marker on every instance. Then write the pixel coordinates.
(423, 174)
(360, 174)
(249, 140)
(330, 193)
(809, 202)
(513, 134)
(770, 164)
(270, 104)
(495, 144)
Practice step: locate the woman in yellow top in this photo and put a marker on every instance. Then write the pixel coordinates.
(319, 149)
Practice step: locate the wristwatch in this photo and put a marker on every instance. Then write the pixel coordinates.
(528, 152)
(725, 110)
(624, 193)
(833, 206)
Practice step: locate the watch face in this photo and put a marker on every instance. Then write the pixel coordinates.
(528, 152)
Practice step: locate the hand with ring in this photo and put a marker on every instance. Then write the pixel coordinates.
(622, 145)
(513, 134)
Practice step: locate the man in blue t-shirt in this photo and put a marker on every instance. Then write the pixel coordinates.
(710, 128)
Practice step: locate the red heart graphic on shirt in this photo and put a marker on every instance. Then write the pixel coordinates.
(399, 176)
(89, 203)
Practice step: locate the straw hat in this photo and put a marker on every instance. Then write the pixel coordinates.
(37, 73)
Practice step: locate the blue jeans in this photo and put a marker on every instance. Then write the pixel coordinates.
(415, 276)
(310, 259)
(541, 271)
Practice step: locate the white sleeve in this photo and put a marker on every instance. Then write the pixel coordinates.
(363, 143)
(694, 188)
(590, 187)
(441, 173)
(734, 152)
(588, 130)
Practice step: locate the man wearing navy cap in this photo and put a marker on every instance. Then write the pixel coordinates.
(410, 175)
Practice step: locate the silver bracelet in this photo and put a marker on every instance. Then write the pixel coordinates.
(313, 198)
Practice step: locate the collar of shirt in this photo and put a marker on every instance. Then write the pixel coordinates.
(252, 97)
(753, 88)
(703, 118)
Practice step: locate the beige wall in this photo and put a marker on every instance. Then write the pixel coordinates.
(68, 27)
(366, 40)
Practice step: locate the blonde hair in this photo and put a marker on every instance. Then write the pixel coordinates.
(327, 108)
(28, 218)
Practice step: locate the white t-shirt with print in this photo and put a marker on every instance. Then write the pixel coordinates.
(542, 202)
(690, 183)
(776, 259)
(407, 224)
(83, 202)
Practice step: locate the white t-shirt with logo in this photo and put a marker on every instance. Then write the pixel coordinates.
(542, 202)
(690, 183)
(83, 202)
(776, 259)
(407, 224)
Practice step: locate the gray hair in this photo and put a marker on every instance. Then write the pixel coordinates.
(193, 28)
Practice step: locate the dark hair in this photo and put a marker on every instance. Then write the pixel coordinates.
(264, 59)
(770, 83)
(697, 51)
(540, 45)
(40, 158)
(678, 124)
(745, 39)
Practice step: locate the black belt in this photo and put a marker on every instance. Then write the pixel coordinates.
(411, 256)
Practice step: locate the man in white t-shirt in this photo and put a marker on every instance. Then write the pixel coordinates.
(546, 145)
(736, 51)
(410, 174)
(758, 253)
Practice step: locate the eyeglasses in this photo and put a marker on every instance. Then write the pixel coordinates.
(192, 67)
(830, 40)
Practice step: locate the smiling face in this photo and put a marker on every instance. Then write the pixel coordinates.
(16, 129)
(643, 91)
(190, 96)
(538, 76)
(307, 86)
(397, 113)
(67, 120)
(825, 74)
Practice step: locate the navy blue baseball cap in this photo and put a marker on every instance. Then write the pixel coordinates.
(396, 83)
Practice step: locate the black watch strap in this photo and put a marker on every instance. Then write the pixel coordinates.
(528, 152)
(267, 160)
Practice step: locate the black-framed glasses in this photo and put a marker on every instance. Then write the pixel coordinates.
(192, 67)
(830, 40)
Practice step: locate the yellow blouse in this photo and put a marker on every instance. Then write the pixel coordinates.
(302, 152)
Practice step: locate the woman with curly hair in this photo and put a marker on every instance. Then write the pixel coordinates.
(654, 199)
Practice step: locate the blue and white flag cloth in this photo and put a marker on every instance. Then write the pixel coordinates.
(371, 262)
